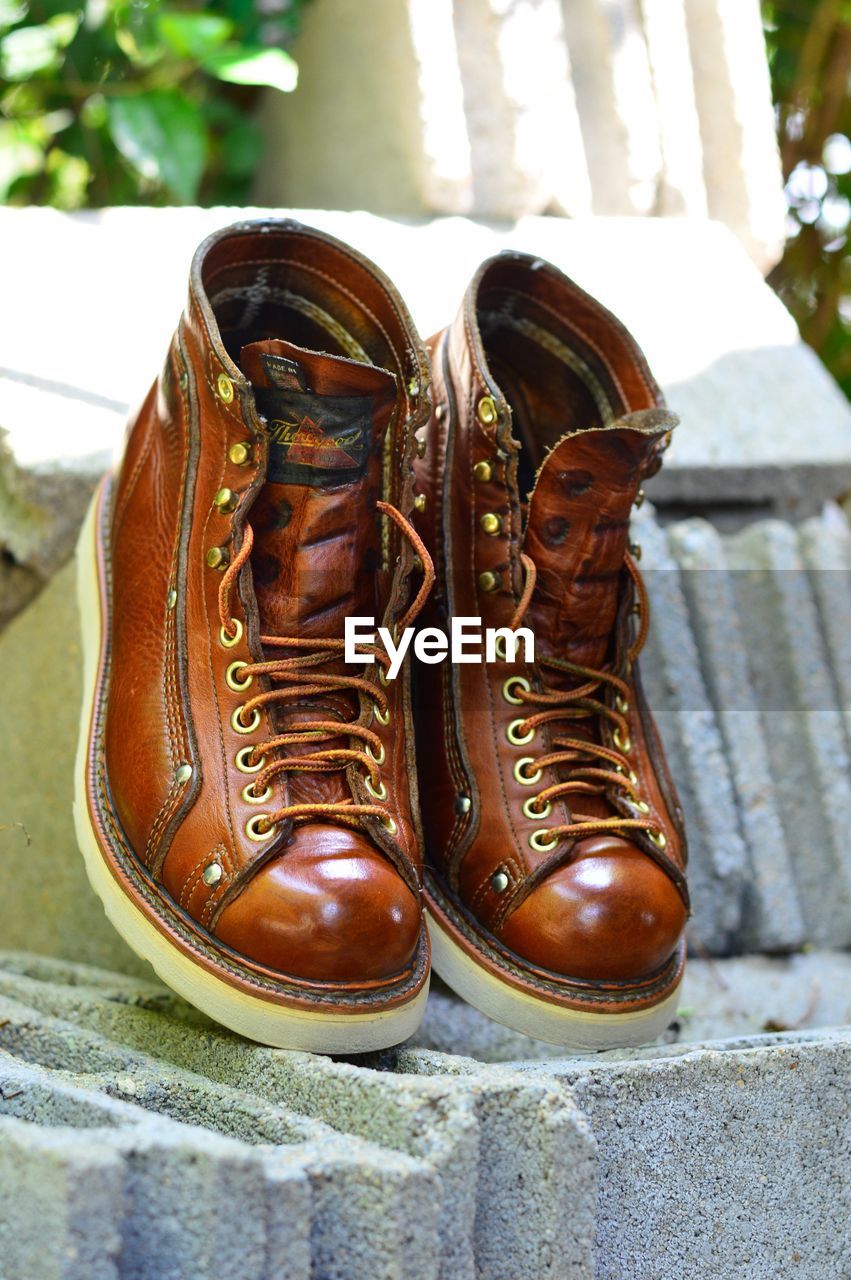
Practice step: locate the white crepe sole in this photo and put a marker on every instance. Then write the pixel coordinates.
(283, 1027)
(572, 1029)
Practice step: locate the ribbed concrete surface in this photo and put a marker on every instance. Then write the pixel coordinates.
(748, 671)
(138, 1141)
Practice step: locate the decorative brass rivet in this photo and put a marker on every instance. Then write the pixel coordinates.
(240, 453)
(421, 446)
(639, 498)
(487, 410)
(462, 804)
(183, 773)
(420, 502)
(171, 599)
(489, 581)
(217, 557)
(440, 412)
(499, 882)
(225, 500)
(212, 875)
(491, 524)
(224, 386)
(483, 471)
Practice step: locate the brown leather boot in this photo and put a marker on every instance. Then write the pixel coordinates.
(555, 851)
(246, 800)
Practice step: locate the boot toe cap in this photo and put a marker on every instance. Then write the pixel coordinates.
(610, 914)
(331, 908)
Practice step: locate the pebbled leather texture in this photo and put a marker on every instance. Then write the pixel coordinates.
(546, 417)
(319, 901)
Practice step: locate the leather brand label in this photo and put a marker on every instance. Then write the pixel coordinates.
(322, 441)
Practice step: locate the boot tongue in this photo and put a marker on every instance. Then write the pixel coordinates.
(577, 533)
(316, 540)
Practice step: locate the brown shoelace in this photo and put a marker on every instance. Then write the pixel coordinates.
(299, 675)
(594, 767)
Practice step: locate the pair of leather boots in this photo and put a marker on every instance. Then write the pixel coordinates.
(269, 824)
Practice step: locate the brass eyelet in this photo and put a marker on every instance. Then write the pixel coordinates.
(642, 806)
(514, 735)
(230, 642)
(622, 744)
(531, 810)
(658, 838)
(381, 757)
(383, 676)
(383, 717)
(621, 705)
(231, 680)
(389, 824)
(379, 792)
(250, 798)
(254, 833)
(237, 724)
(633, 777)
(243, 756)
(522, 682)
(500, 649)
(541, 841)
(527, 780)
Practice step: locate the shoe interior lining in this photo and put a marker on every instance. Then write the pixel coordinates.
(253, 302)
(554, 380)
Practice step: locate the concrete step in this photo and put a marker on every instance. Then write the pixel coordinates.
(138, 1140)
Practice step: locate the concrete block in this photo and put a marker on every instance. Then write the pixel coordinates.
(772, 918)
(689, 727)
(569, 1168)
(723, 1160)
(61, 1204)
(803, 723)
(427, 1177)
(45, 900)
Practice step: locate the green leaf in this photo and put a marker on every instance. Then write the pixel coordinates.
(272, 67)
(11, 11)
(19, 156)
(193, 35)
(28, 50)
(163, 136)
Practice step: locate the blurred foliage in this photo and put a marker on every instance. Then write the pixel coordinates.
(809, 44)
(137, 101)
